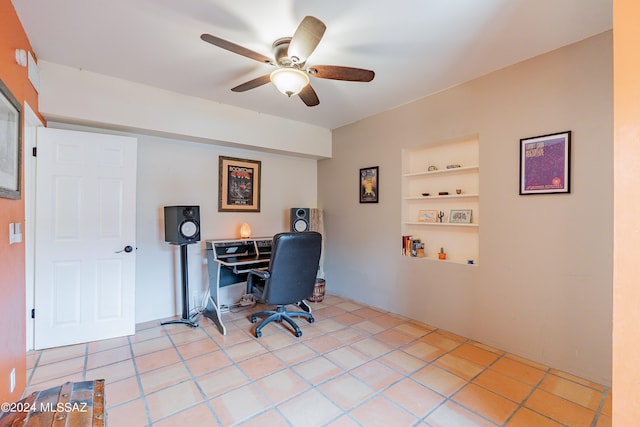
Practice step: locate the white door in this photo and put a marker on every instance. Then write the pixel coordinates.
(85, 226)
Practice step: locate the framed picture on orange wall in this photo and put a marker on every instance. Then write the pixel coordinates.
(10, 144)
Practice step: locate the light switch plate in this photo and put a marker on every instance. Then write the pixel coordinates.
(15, 232)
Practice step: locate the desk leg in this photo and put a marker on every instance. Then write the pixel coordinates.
(213, 312)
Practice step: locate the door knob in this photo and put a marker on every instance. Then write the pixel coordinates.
(126, 249)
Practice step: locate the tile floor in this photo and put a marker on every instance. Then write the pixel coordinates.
(355, 366)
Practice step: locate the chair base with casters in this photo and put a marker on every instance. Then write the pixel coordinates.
(289, 279)
(280, 314)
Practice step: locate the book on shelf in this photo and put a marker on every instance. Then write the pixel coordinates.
(412, 247)
(405, 245)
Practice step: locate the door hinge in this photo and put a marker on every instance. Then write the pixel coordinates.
(34, 151)
(33, 313)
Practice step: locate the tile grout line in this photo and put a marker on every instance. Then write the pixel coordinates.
(139, 381)
(194, 378)
(289, 367)
(378, 392)
(603, 399)
(455, 392)
(250, 381)
(526, 398)
(310, 384)
(33, 371)
(86, 361)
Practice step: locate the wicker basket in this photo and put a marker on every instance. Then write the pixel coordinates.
(318, 291)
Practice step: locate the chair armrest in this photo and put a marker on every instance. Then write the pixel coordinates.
(262, 274)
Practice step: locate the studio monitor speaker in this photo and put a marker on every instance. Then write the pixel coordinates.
(300, 219)
(181, 224)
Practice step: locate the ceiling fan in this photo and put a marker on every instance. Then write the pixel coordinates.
(292, 75)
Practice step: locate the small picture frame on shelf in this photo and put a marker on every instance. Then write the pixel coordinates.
(428, 216)
(460, 216)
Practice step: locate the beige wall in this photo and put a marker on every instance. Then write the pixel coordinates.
(543, 289)
(177, 172)
(626, 346)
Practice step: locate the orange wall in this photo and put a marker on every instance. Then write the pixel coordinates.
(12, 261)
(626, 269)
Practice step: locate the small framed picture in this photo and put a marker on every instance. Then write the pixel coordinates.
(10, 144)
(369, 180)
(544, 164)
(238, 185)
(460, 216)
(428, 216)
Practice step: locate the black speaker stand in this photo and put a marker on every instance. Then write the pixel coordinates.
(186, 319)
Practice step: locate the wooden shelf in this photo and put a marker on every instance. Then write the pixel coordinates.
(446, 261)
(448, 196)
(440, 224)
(444, 171)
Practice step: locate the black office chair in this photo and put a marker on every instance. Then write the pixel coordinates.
(290, 278)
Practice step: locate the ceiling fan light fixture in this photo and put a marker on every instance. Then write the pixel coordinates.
(289, 81)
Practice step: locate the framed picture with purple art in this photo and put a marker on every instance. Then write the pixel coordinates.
(545, 164)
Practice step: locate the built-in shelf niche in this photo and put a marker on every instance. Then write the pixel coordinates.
(459, 241)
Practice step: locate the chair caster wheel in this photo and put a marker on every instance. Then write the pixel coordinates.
(258, 334)
(311, 320)
(253, 319)
(298, 334)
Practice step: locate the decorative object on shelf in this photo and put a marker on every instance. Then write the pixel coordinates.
(245, 231)
(442, 254)
(238, 185)
(432, 168)
(460, 216)
(545, 164)
(425, 194)
(443, 193)
(440, 216)
(369, 184)
(470, 262)
(458, 190)
(428, 216)
(10, 144)
(453, 166)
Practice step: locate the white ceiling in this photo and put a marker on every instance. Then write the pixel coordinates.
(416, 47)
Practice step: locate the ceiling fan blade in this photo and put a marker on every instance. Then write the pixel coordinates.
(308, 96)
(232, 47)
(252, 84)
(305, 39)
(336, 72)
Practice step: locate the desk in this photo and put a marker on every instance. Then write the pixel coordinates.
(228, 262)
